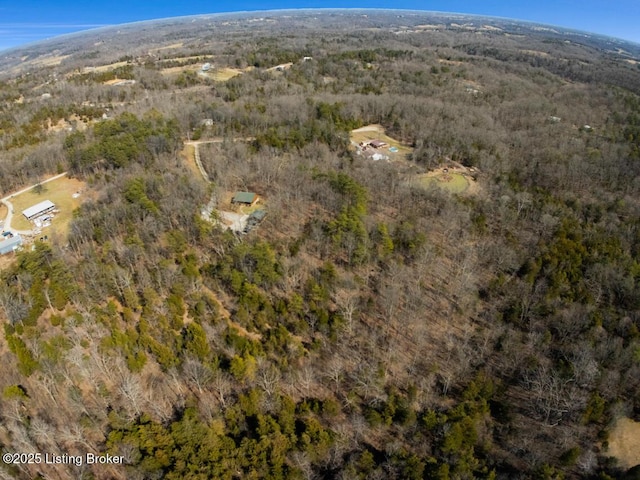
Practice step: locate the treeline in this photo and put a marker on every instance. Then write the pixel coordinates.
(124, 72)
(120, 141)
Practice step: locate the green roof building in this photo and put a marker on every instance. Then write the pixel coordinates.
(247, 198)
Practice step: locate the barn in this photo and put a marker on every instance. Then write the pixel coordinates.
(39, 209)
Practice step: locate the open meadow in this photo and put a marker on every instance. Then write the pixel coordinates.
(61, 193)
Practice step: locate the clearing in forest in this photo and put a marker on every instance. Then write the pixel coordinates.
(167, 47)
(453, 177)
(452, 181)
(624, 443)
(104, 68)
(66, 193)
(394, 149)
(223, 74)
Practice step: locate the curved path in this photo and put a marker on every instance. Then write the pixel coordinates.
(196, 154)
(197, 143)
(6, 201)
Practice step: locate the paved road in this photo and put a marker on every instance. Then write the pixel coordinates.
(6, 201)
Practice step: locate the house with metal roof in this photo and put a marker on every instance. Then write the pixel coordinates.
(378, 143)
(245, 198)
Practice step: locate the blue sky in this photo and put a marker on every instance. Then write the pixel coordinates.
(26, 21)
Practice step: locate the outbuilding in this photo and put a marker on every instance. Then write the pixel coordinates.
(39, 209)
(10, 244)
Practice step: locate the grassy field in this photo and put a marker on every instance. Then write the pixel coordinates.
(104, 68)
(224, 74)
(60, 192)
(217, 74)
(376, 132)
(624, 442)
(453, 182)
(188, 153)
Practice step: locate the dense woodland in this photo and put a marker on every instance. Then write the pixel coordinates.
(369, 328)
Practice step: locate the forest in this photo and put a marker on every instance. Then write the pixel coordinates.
(371, 326)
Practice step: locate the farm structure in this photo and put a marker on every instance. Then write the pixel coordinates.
(39, 209)
(10, 244)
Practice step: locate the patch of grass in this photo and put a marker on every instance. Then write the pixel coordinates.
(224, 74)
(189, 155)
(453, 182)
(624, 442)
(60, 192)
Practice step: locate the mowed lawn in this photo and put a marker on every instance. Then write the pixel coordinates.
(376, 132)
(221, 74)
(60, 192)
(453, 182)
(224, 74)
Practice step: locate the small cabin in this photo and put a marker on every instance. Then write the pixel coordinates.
(245, 198)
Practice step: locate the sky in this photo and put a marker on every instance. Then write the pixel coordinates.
(27, 21)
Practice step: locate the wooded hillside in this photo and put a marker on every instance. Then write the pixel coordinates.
(372, 325)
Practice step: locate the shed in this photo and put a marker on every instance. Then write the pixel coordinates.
(254, 220)
(246, 198)
(257, 216)
(10, 244)
(39, 209)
